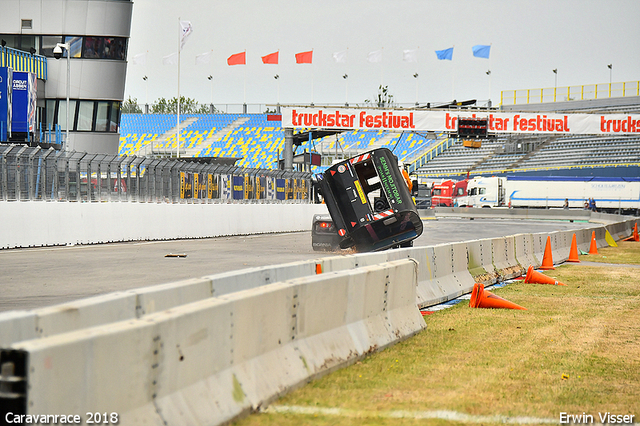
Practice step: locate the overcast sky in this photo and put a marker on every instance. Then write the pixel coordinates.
(529, 39)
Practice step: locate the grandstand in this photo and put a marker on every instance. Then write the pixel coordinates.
(251, 137)
(259, 143)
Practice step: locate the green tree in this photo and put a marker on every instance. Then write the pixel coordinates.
(383, 99)
(130, 106)
(187, 106)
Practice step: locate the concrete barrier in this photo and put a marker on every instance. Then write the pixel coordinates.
(91, 223)
(210, 361)
(524, 251)
(505, 262)
(480, 261)
(516, 213)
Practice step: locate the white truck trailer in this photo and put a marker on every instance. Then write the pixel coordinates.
(610, 194)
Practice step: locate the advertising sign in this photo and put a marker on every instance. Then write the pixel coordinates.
(238, 188)
(24, 102)
(447, 121)
(6, 85)
(281, 189)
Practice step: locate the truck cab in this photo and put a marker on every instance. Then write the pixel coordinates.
(485, 192)
(369, 202)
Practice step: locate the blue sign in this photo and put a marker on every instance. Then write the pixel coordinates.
(281, 193)
(6, 82)
(24, 102)
(238, 188)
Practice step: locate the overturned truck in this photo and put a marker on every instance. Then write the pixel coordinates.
(370, 203)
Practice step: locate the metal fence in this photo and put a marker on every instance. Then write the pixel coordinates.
(50, 175)
(570, 93)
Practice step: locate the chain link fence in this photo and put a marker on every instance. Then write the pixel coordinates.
(49, 175)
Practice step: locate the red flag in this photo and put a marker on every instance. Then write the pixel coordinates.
(238, 59)
(271, 58)
(304, 57)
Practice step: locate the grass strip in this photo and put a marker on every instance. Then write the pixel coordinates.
(575, 350)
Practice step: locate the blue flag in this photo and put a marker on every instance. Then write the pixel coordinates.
(445, 54)
(481, 51)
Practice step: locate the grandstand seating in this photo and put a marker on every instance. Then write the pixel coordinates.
(585, 151)
(250, 136)
(260, 142)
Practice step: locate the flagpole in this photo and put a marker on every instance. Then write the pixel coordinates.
(453, 80)
(178, 103)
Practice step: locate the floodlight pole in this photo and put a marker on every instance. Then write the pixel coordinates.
(66, 47)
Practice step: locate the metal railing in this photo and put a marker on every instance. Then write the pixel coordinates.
(570, 93)
(28, 174)
(23, 61)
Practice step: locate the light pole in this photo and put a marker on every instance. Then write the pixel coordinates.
(146, 94)
(210, 78)
(416, 77)
(489, 74)
(610, 66)
(57, 53)
(346, 90)
(555, 85)
(277, 77)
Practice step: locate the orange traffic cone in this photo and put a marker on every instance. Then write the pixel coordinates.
(634, 236)
(534, 277)
(593, 249)
(481, 298)
(573, 252)
(547, 260)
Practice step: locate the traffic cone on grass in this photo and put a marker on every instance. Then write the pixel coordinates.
(481, 298)
(573, 252)
(547, 260)
(534, 277)
(634, 236)
(593, 249)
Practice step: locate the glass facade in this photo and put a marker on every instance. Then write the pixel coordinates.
(82, 47)
(86, 116)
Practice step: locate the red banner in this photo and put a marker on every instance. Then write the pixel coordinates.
(447, 121)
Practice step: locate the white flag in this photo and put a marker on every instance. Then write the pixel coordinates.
(340, 57)
(410, 55)
(170, 59)
(185, 31)
(375, 56)
(204, 58)
(139, 59)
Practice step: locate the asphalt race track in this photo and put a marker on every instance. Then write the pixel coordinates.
(32, 278)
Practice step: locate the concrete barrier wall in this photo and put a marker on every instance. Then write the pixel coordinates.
(36, 223)
(208, 362)
(517, 213)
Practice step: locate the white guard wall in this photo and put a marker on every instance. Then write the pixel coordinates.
(32, 224)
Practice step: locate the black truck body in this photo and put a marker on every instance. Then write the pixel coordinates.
(370, 203)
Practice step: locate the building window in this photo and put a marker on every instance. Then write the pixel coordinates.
(86, 116)
(75, 45)
(47, 44)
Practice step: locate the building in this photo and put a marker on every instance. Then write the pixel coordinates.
(97, 32)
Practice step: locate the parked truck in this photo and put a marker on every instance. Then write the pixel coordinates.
(447, 193)
(609, 193)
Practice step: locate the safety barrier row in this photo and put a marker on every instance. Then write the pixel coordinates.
(211, 349)
(210, 361)
(36, 223)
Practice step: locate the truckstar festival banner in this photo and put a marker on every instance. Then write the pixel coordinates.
(447, 121)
